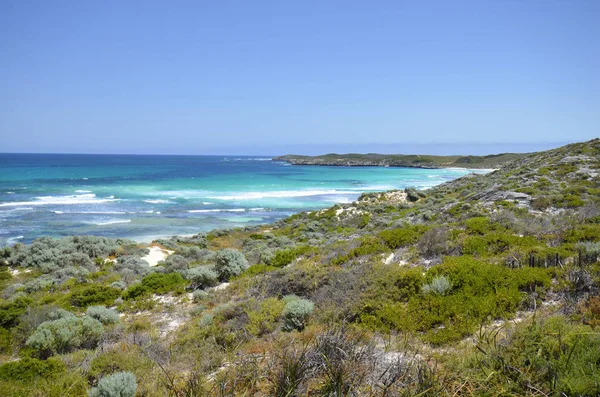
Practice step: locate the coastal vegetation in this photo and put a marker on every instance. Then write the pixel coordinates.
(485, 285)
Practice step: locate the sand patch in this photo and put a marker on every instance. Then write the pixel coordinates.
(156, 255)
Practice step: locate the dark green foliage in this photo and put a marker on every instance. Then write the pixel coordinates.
(94, 294)
(286, 256)
(396, 238)
(156, 283)
(10, 311)
(29, 369)
(478, 225)
(478, 291)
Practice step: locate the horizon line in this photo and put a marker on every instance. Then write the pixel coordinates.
(557, 143)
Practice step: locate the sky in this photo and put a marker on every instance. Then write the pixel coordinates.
(258, 77)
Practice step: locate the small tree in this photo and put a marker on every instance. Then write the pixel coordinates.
(120, 384)
(230, 263)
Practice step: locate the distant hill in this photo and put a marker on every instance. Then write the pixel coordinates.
(402, 160)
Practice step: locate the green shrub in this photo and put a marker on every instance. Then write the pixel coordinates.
(479, 291)
(263, 319)
(29, 369)
(120, 384)
(285, 257)
(65, 334)
(295, 314)
(11, 311)
(474, 245)
(258, 269)
(156, 283)
(94, 294)
(478, 225)
(103, 314)
(396, 238)
(230, 263)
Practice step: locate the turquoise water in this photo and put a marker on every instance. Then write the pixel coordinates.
(144, 197)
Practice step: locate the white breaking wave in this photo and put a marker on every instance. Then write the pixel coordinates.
(207, 203)
(83, 191)
(88, 198)
(157, 201)
(284, 194)
(220, 210)
(12, 240)
(92, 212)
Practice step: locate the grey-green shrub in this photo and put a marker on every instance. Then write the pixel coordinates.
(201, 277)
(103, 314)
(230, 263)
(175, 263)
(65, 334)
(205, 320)
(132, 264)
(295, 313)
(60, 313)
(119, 285)
(198, 295)
(120, 384)
(440, 285)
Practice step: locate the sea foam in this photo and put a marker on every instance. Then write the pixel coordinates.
(88, 198)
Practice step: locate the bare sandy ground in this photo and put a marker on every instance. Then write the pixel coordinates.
(156, 255)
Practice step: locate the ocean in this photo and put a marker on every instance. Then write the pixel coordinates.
(143, 197)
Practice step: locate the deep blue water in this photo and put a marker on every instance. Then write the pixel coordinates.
(143, 196)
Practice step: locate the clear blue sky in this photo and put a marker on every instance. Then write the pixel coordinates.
(255, 76)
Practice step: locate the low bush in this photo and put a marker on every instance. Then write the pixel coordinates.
(29, 369)
(121, 384)
(201, 277)
(285, 257)
(93, 294)
(296, 313)
(230, 263)
(156, 283)
(11, 311)
(263, 317)
(396, 238)
(103, 314)
(65, 334)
